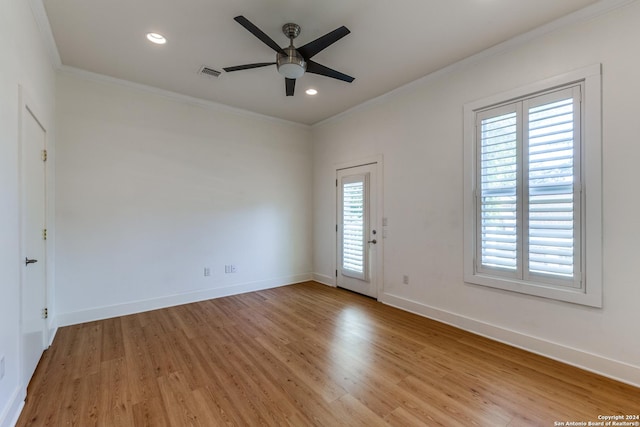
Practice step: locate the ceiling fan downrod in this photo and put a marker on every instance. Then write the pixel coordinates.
(290, 63)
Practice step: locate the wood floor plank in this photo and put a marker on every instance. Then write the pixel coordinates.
(112, 344)
(89, 400)
(87, 351)
(142, 374)
(115, 405)
(457, 405)
(185, 408)
(372, 381)
(308, 372)
(303, 355)
(235, 381)
(400, 417)
(150, 413)
(219, 392)
(350, 411)
(67, 414)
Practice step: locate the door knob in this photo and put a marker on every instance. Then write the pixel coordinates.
(28, 261)
(374, 241)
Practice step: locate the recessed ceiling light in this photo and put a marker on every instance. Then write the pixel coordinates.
(311, 92)
(156, 38)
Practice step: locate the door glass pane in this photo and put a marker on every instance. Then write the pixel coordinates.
(353, 225)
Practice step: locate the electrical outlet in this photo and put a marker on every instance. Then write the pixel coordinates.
(207, 272)
(405, 279)
(1, 367)
(230, 268)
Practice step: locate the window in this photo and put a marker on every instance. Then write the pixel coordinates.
(528, 195)
(528, 226)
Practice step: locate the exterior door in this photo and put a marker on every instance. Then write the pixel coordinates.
(358, 232)
(33, 256)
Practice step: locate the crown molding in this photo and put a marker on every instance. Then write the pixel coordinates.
(42, 21)
(583, 15)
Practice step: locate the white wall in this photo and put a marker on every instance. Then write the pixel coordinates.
(23, 61)
(419, 131)
(151, 190)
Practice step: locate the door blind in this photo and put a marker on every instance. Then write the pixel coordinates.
(353, 226)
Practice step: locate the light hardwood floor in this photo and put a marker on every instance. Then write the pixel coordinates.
(303, 355)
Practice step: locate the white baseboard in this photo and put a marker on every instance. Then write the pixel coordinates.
(324, 279)
(52, 327)
(9, 416)
(619, 371)
(106, 312)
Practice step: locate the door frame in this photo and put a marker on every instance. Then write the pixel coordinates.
(28, 106)
(378, 273)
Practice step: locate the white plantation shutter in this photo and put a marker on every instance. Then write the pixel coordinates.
(354, 224)
(528, 192)
(553, 159)
(498, 191)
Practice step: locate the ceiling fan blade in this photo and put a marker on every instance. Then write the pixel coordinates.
(258, 33)
(247, 66)
(290, 85)
(311, 48)
(315, 68)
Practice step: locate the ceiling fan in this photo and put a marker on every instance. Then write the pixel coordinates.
(292, 62)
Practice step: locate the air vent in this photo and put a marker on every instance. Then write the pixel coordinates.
(209, 72)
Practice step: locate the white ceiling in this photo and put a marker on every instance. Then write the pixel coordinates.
(391, 43)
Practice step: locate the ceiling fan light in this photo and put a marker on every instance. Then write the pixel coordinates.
(291, 71)
(292, 65)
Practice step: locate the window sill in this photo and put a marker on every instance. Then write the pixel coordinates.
(565, 294)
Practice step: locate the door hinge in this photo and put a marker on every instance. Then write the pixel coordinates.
(336, 273)
(336, 182)
(336, 228)
(44, 234)
(44, 155)
(45, 313)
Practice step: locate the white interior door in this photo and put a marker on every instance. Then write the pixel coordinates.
(33, 283)
(358, 238)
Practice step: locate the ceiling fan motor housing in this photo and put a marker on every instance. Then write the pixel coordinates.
(292, 65)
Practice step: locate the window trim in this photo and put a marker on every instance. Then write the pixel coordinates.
(590, 293)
